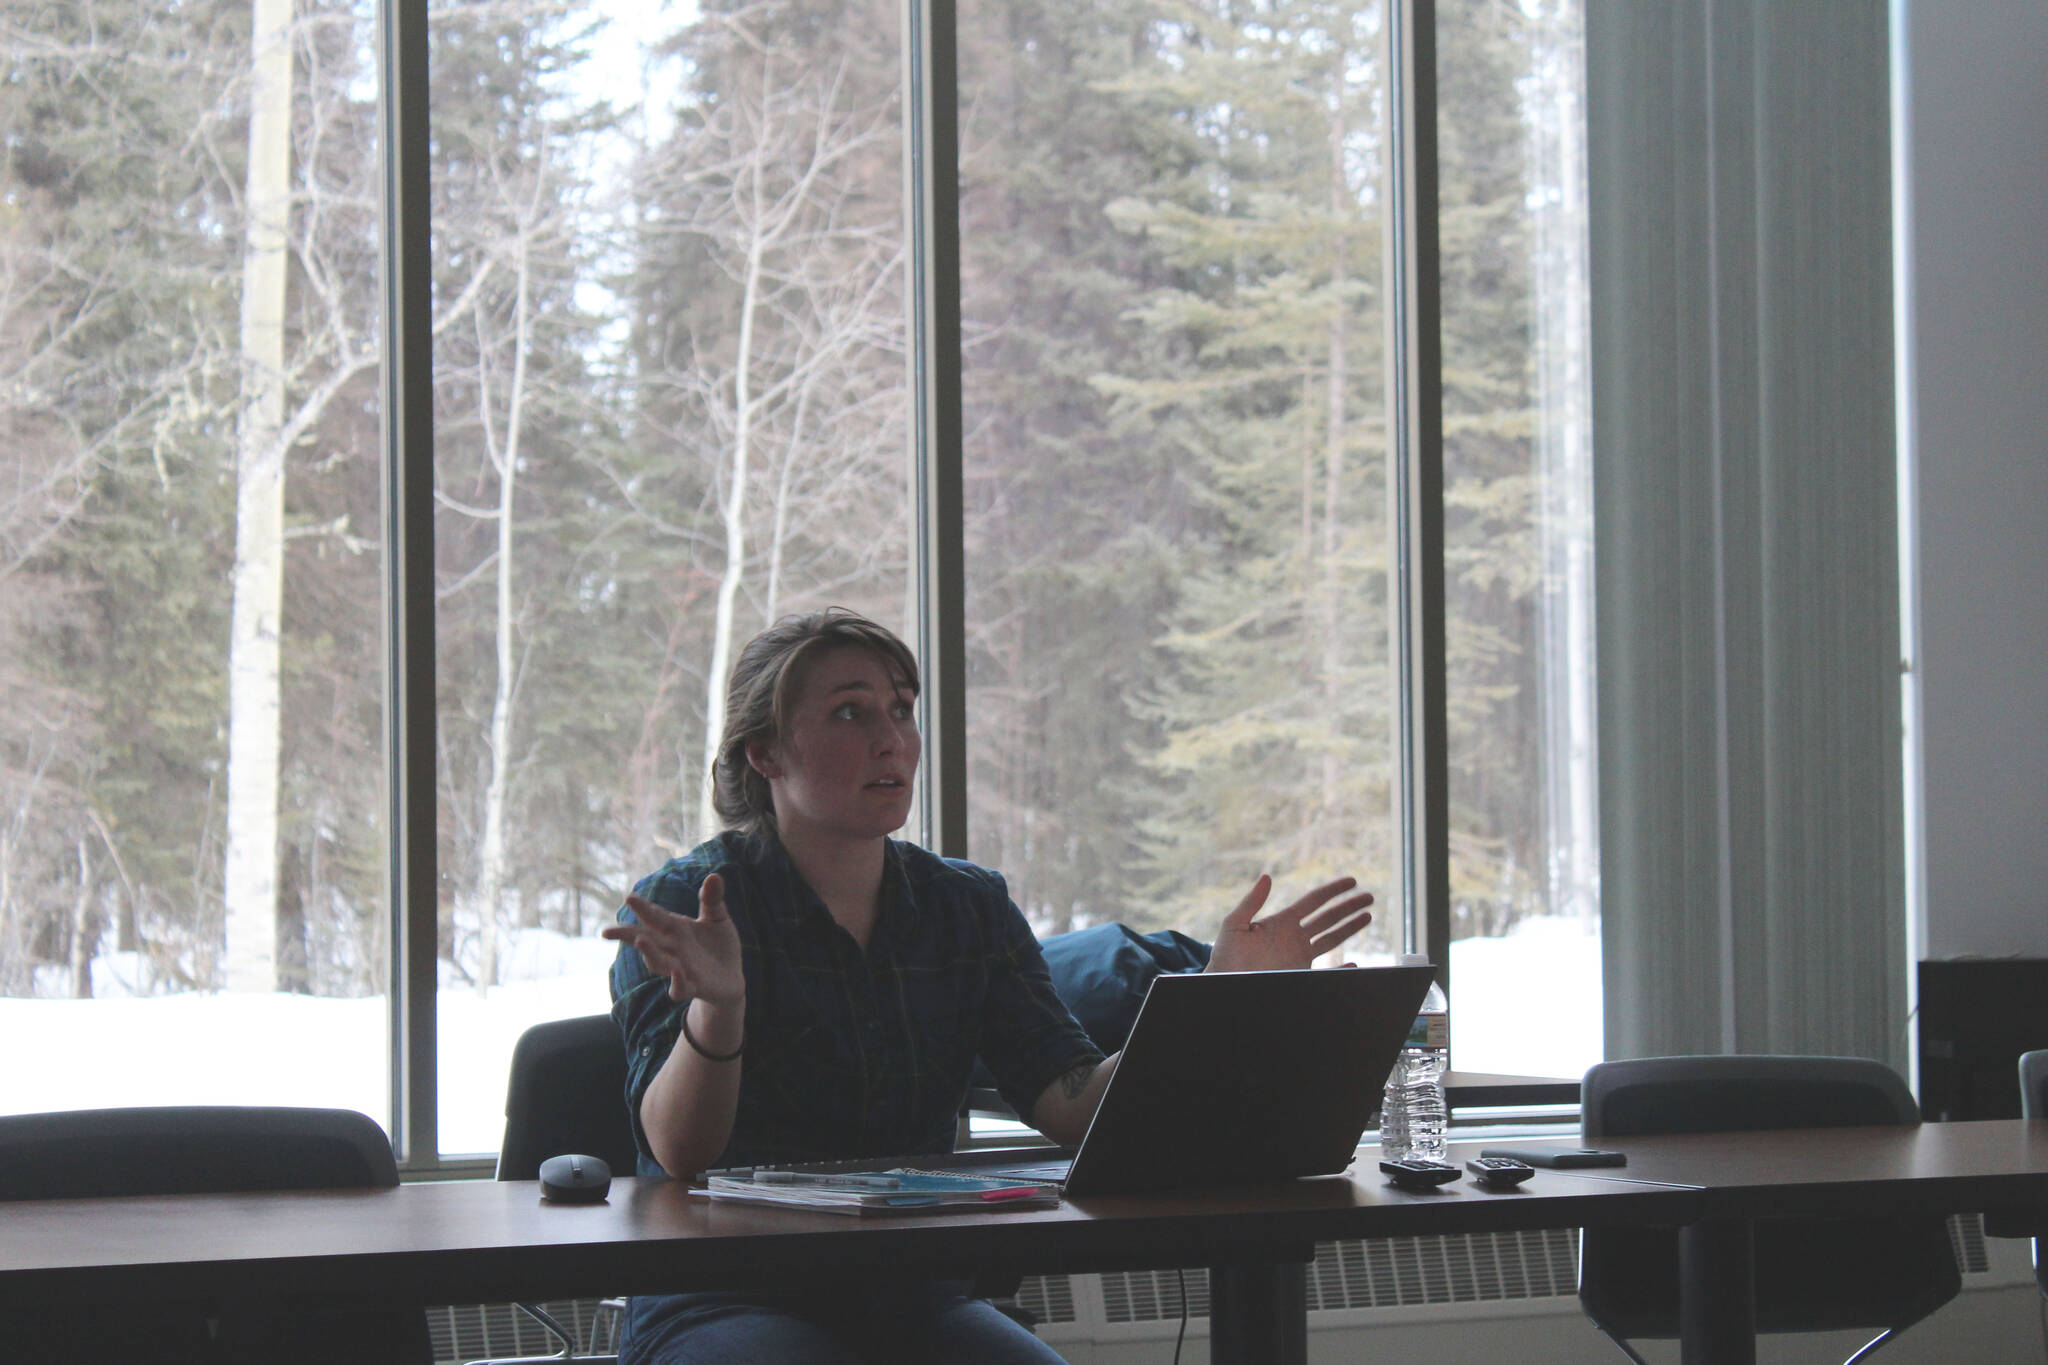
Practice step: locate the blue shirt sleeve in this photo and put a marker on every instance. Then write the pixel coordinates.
(1029, 1038)
(649, 1022)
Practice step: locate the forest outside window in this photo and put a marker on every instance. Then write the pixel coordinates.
(1178, 541)
(191, 675)
(672, 399)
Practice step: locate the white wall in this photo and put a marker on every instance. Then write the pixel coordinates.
(1975, 372)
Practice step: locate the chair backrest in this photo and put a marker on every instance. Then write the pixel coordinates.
(2034, 1084)
(1811, 1274)
(567, 1093)
(1736, 1094)
(201, 1149)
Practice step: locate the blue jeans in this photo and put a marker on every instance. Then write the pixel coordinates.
(915, 1324)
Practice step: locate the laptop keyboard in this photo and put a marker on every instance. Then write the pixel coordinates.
(1049, 1171)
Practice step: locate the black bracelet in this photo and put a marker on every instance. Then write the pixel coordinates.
(698, 1047)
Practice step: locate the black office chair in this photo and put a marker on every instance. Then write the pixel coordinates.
(1812, 1274)
(2034, 1105)
(567, 1094)
(96, 1153)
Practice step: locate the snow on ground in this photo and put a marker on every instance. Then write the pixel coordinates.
(294, 1049)
(1526, 1004)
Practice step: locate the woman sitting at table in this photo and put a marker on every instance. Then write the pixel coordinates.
(805, 988)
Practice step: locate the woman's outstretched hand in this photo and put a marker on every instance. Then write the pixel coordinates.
(700, 957)
(1289, 938)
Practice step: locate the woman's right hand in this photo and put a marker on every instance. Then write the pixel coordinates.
(700, 957)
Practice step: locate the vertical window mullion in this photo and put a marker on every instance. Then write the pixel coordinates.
(932, 190)
(1415, 486)
(409, 573)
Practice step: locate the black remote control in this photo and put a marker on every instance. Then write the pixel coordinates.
(1499, 1172)
(1416, 1174)
(1559, 1158)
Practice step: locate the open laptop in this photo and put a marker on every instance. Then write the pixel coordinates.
(1234, 1078)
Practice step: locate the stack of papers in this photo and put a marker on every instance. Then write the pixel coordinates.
(867, 1193)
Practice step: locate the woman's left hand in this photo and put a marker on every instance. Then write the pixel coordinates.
(1290, 938)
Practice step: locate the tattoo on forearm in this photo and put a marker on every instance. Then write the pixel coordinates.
(1075, 1081)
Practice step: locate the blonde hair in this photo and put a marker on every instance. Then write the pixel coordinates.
(757, 701)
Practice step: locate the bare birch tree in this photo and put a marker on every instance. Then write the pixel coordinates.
(502, 391)
(766, 189)
(313, 362)
(249, 887)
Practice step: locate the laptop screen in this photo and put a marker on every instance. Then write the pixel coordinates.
(1245, 1078)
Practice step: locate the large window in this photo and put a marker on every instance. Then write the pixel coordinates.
(1518, 538)
(1176, 455)
(191, 686)
(1178, 551)
(669, 398)
(677, 366)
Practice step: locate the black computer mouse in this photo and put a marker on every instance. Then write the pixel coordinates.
(574, 1179)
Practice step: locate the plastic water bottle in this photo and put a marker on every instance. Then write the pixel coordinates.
(1412, 1112)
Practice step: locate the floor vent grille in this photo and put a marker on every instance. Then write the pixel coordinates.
(1388, 1272)
(476, 1331)
(1471, 1268)
(1966, 1235)
(1414, 1271)
(1048, 1298)
(1153, 1295)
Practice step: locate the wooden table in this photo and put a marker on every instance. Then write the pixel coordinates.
(1745, 1178)
(486, 1241)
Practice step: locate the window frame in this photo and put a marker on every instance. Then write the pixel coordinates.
(411, 750)
(932, 194)
(1416, 485)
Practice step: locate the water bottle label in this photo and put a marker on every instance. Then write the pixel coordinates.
(1431, 1030)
